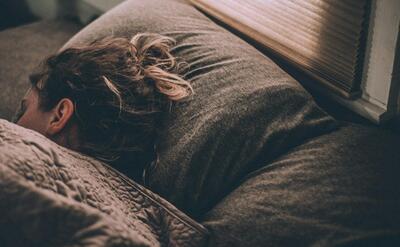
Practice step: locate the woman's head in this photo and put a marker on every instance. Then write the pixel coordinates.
(106, 99)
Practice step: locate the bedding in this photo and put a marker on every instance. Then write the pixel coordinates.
(340, 189)
(245, 112)
(250, 156)
(52, 196)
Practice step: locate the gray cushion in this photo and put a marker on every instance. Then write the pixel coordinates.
(21, 49)
(245, 110)
(340, 189)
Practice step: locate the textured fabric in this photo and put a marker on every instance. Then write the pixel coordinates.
(21, 49)
(52, 196)
(245, 108)
(340, 189)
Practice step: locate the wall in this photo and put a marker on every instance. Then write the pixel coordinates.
(48, 9)
(104, 5)
(86, 10)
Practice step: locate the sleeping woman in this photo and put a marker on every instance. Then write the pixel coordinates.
(107, 99)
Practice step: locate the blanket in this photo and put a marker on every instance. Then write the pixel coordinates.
(53, 196)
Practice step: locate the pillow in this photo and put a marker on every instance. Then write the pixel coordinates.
(340, 189)
(52, 196)
(245, 112)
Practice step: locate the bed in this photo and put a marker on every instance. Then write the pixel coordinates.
(251, 160)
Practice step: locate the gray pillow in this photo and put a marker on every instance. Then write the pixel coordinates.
(245, 112)
(340, 189)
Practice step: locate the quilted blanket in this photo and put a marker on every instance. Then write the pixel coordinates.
(52, 196)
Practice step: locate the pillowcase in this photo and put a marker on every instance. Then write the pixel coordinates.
(339, 189)
(245, 112)
(52, 196)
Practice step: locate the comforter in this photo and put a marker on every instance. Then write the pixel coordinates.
(52, 196)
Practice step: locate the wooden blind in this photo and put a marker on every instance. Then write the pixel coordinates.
(324, 38)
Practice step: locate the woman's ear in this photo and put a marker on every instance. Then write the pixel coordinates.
(61, 114)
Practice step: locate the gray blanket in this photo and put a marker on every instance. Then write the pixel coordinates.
(52, 196)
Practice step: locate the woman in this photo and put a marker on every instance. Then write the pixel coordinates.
(107, 99)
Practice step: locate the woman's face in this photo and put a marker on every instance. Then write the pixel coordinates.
(52, 123)
(30, 115)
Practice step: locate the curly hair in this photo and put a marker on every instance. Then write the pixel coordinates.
(120, 89)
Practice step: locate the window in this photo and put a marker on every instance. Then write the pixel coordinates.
(338, 43)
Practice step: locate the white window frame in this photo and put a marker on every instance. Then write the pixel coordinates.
(380, 83)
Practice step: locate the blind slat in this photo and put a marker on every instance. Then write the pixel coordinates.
(310, 37)
(309, 26)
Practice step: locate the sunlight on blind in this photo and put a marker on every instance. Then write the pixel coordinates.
(324, 38)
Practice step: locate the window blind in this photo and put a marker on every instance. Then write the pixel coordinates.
(323, 38)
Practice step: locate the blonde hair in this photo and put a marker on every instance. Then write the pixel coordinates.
(121, 88)
(155, 61)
